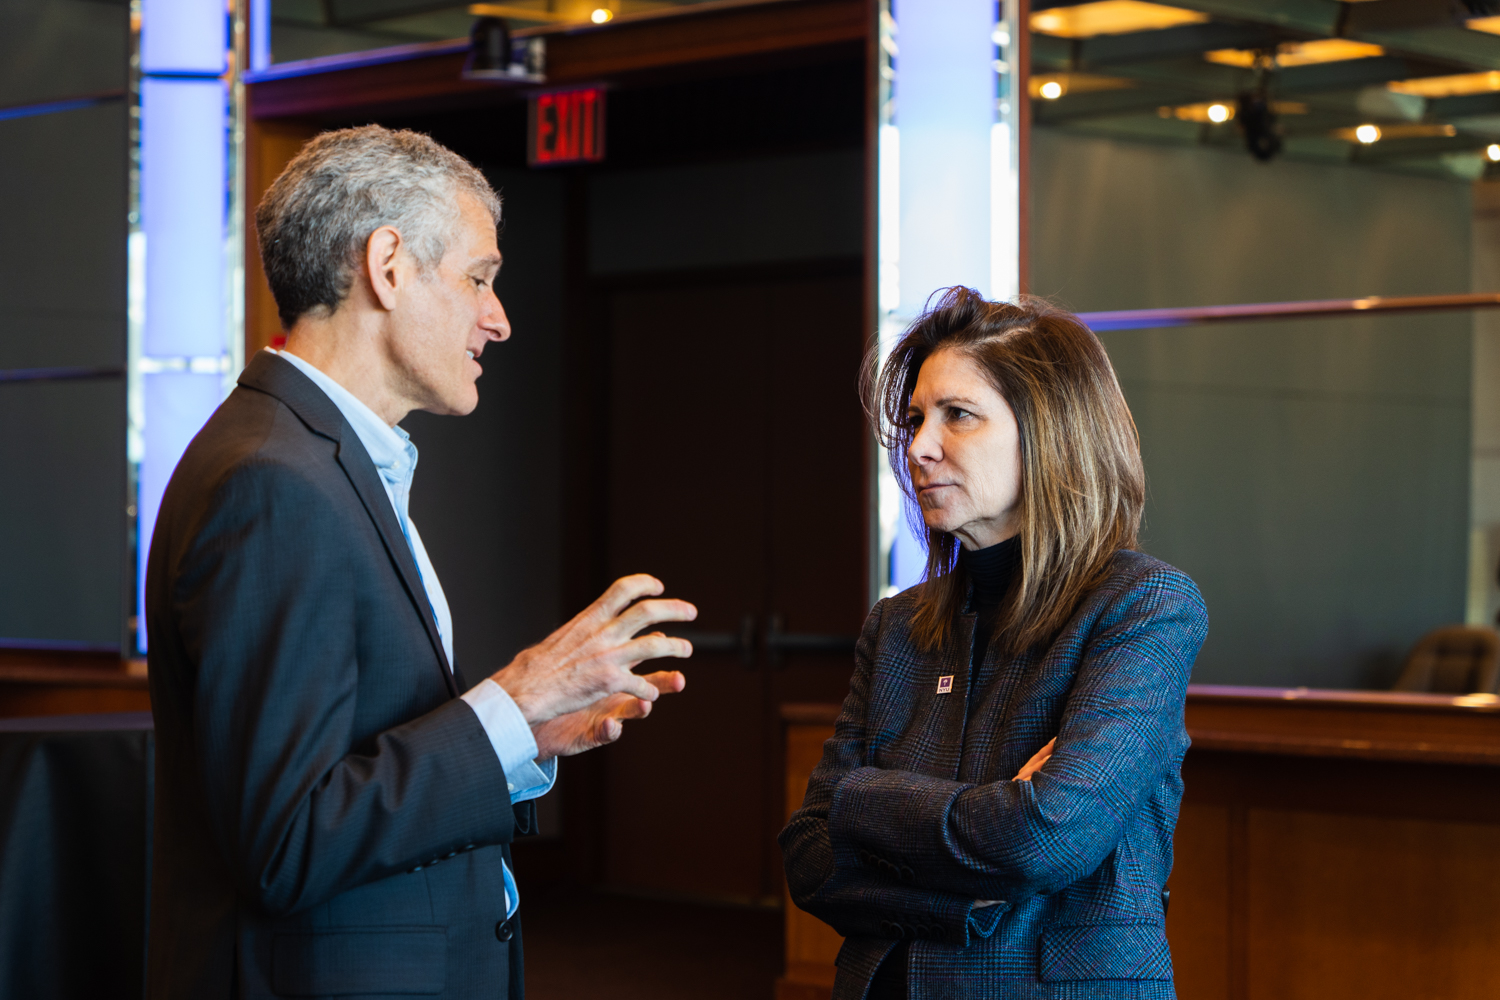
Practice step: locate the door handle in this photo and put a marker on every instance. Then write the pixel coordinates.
(741, 642)
(779, 643)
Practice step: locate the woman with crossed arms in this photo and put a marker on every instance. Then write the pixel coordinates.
(993, 816)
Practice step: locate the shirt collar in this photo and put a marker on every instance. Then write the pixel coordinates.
(390, 447)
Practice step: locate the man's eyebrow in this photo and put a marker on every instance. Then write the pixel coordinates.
(488, 260)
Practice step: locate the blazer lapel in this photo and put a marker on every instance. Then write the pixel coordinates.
(281, 379)
(361, 472)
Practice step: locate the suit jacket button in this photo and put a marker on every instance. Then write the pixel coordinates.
(503, 931)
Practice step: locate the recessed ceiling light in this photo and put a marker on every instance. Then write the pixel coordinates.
(1051, 90)
(1299, 53)
(1493, 152)
(1367, 134)
(1218, 113)
(1111, 17)
(601, 14)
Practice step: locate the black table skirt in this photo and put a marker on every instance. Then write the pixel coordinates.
(75, 846)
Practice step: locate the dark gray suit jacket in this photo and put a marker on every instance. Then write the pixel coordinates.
(314, 763)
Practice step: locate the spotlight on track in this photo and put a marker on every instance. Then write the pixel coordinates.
(489, 50)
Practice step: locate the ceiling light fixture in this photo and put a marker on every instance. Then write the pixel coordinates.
(1367, 134)
(1218, 114)
(601, 14)
(1323, 50)
(1449, 86)
(1111, 17)
(1493, 152)
(1052, 90)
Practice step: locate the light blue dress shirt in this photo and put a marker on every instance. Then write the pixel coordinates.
(395, 458)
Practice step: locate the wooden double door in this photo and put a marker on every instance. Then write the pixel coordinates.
(736, 473)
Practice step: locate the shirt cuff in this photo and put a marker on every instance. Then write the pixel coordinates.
(511, 737)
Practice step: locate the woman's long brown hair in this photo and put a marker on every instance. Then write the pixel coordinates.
(1082, 482)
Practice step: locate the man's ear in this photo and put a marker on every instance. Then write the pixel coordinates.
(382, 266)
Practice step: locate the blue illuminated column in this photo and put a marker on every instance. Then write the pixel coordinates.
(184, 301)
(948, 199)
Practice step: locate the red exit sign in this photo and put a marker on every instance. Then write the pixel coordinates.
(566, 126)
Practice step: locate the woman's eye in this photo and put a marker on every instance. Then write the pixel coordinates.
(959, 414)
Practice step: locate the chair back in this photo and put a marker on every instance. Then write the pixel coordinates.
(1454, 659)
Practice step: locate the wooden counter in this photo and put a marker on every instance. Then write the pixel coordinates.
(1332, 844)
(49, 682)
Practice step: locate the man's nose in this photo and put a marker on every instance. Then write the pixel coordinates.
(494, 322)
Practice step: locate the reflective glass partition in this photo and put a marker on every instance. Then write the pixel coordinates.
(64, 128)
(1328, 482)
(948, 208)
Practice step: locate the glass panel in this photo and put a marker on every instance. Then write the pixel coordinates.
(1326, 482)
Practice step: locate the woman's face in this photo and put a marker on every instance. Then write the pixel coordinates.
(965, 457)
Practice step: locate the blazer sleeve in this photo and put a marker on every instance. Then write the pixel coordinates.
(1121, 728)
(826, 874)
(264, 604)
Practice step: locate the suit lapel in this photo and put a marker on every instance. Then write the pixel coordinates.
(361, 472)
(281, 379)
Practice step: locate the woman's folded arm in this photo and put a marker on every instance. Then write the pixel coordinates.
(1121, 728)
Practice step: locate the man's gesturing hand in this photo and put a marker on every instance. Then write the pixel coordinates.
(592, 656)
(600, 723)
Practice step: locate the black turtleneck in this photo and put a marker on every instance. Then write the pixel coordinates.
(991, 569)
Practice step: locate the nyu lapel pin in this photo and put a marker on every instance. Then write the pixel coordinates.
(945, 684)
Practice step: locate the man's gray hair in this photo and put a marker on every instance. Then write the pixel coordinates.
(316, 220)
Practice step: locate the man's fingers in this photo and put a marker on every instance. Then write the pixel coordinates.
(667, 681)
(627, 589)
(648, 613)
(608, 730)
(651, 647)
(636, 686)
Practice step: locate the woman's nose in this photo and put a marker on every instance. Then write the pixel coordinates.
(925, 446)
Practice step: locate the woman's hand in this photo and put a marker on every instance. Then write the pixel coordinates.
(1034, 765)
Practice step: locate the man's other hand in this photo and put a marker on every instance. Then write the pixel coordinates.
(593, 655)
(600, 723)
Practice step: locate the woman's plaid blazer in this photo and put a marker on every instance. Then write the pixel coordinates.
(911, 818)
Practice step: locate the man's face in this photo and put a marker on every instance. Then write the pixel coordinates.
(448, 316)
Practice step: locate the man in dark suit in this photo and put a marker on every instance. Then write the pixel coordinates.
(334, 804)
